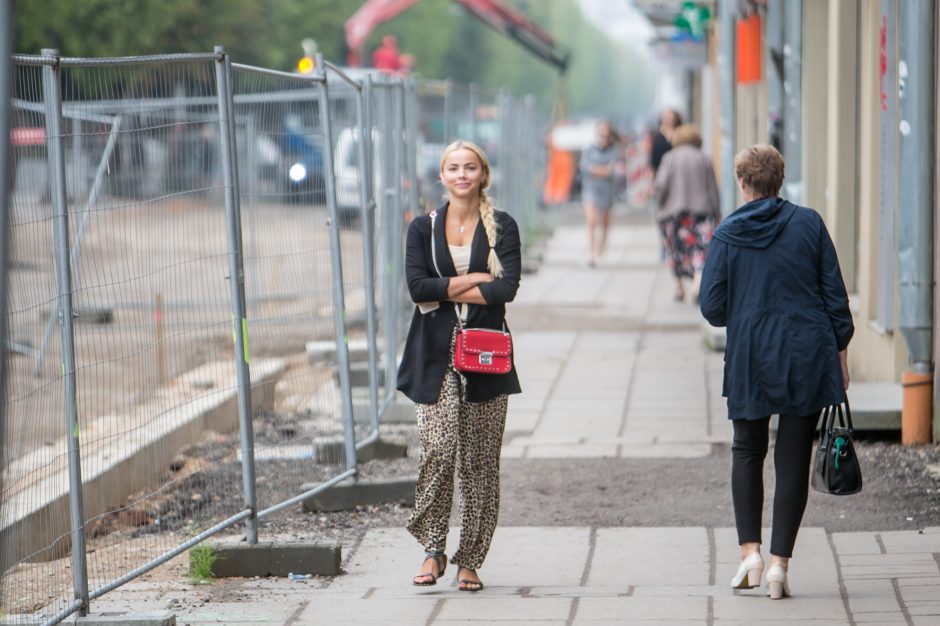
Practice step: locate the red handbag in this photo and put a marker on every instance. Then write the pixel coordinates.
(483, 351)
(478, 350)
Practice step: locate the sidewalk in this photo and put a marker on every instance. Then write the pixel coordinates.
(611, 366)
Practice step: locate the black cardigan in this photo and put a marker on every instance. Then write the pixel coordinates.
(427, 349)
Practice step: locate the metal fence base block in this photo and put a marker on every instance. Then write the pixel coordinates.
(398, 412)
(321, 559)
(333, 451)
(268, 558)
(359, 375)
(325, 350)
(382, 449)
(144, 618)
(347, 496)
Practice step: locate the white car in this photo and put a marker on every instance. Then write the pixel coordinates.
(347, 171)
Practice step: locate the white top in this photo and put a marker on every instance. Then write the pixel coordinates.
(461, 257)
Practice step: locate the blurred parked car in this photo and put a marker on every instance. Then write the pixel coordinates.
(302, 158)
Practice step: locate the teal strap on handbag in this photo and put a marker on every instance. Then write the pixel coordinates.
(839, 443)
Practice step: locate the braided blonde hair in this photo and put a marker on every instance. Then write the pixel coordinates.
(487, 210)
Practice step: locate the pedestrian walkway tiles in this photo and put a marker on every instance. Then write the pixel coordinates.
(563, 575)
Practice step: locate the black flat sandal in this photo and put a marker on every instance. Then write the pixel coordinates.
(440, 560)
(464, 584)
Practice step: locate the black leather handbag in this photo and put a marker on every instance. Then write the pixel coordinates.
(835, 468)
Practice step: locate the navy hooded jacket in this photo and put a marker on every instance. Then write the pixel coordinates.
(773, 278)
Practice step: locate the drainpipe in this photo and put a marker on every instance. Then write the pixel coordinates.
(793, 99)
(727, 14)
(774, 61)
(915, 212)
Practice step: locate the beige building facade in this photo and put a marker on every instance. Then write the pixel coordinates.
(849, 158)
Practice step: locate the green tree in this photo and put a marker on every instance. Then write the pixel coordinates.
(603, 78)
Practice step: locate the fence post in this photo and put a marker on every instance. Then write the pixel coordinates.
(6, 93)
(400, 161)
(336, 260)
(367, 202)
(52, 97)
(385, 251)
(236, 268)
(474, 89)
(447, 120)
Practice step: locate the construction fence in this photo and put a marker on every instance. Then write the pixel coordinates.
(205, 288)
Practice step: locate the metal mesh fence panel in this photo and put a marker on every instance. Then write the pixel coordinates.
(153, 220)
(348, 169)
(286, 230)
(395, 197)
(33, 573)
(154, 366)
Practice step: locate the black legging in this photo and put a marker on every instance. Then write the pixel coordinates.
(792, 454)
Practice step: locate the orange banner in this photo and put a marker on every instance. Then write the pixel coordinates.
(749, 51)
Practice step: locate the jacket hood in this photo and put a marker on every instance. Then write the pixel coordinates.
(756, 224)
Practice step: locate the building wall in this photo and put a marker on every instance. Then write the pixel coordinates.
(842, 164)
(815, 102)
(876, 354)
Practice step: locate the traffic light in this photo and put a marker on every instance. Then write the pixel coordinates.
(305, 65)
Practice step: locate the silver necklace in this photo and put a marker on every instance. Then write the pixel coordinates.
(460, 228)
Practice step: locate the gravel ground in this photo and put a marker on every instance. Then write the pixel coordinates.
(900, 493)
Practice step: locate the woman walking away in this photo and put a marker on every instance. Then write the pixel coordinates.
(773, 278)
(463, 259)
(597, 189)
(687, 199)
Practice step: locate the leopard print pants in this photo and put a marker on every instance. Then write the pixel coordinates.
(468, 436)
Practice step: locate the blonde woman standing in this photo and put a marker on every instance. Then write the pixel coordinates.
(475, 263)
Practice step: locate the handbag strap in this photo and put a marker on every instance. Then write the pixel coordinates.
(848, 416)
(437, 269)
(833, 413)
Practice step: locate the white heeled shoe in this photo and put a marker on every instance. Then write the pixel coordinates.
(777, 584)
(749, 572)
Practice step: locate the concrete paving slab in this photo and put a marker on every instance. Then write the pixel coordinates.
(665, 451)
(651, 556)
(371, 611)
(633, 609)
(494, 610)
(906, 541)
(583, 451)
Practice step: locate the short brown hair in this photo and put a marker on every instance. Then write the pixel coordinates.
(686, 134)
(760, 168)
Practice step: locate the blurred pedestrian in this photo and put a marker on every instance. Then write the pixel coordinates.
(463, 257)
(387, 57)
(773, 278)
(669, 121)
(597, 188)
(687, 207)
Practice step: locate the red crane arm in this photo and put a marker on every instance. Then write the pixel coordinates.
(504, 19)
(518, 27)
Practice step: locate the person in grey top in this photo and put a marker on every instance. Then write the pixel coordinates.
(597, 188)
(687, 212)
